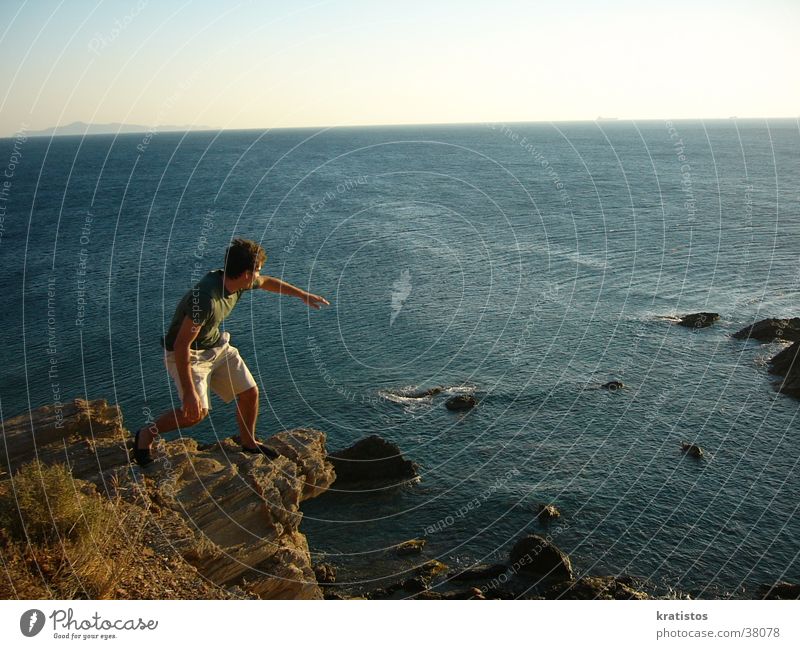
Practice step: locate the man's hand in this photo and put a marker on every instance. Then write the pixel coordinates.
(284, 288)
(314, 301)
(192, 406)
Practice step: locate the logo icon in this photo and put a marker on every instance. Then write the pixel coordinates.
(31, 622)
(401, 289)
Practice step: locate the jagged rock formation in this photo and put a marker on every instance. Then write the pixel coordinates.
(233, 516)
(787, 365)
(771, 329)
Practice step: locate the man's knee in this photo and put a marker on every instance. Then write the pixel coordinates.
(193, 420)
(248, 395)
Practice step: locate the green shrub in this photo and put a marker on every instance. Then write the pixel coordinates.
(44, 504)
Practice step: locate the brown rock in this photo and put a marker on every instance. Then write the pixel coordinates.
(692, 450)
(325, 573)
(546, 513)
(372, 460)
(535, 556)
(406, 548)
(699, 320)
(461, 402)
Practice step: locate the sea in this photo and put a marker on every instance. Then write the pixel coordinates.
(526, 264)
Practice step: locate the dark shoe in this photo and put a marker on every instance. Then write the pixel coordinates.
(141, 455)
(263, 450)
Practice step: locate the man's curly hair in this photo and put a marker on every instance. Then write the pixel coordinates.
(243, 255)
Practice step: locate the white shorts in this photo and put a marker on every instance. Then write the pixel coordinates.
(219, 368)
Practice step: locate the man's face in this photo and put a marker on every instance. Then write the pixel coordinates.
(254, 276)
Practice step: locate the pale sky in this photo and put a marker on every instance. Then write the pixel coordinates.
(305, 63)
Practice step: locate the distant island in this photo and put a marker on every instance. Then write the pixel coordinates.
(82, 128)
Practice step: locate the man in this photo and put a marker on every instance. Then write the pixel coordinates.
(199, 357)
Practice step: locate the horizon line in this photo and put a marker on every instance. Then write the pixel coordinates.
(600, 119)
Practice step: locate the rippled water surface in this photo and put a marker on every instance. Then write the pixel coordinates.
(526, 264)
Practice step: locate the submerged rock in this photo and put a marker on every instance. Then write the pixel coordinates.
(699, 320)
(613, 385)
(372, 459)
(535, 556)
(771, 329)
(461, 402)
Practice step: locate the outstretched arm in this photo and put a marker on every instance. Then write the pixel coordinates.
(284, 288)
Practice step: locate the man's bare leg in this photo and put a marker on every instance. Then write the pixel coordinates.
(246, 416)
(167, 422)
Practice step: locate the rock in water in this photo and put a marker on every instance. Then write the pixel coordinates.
(461, 402)
(595, 588)
(699, 320)
(781, 590)
(325, 573)
(480, 572)
(613, 385)
(406, 548)
(535, 556)
(771, 329)
(546, 513)
(787, 364)
(692, 450)
(372, 459)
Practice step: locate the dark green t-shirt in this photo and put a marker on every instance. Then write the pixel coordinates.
(207, 304)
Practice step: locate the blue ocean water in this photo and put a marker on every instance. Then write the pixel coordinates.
(524, 263)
